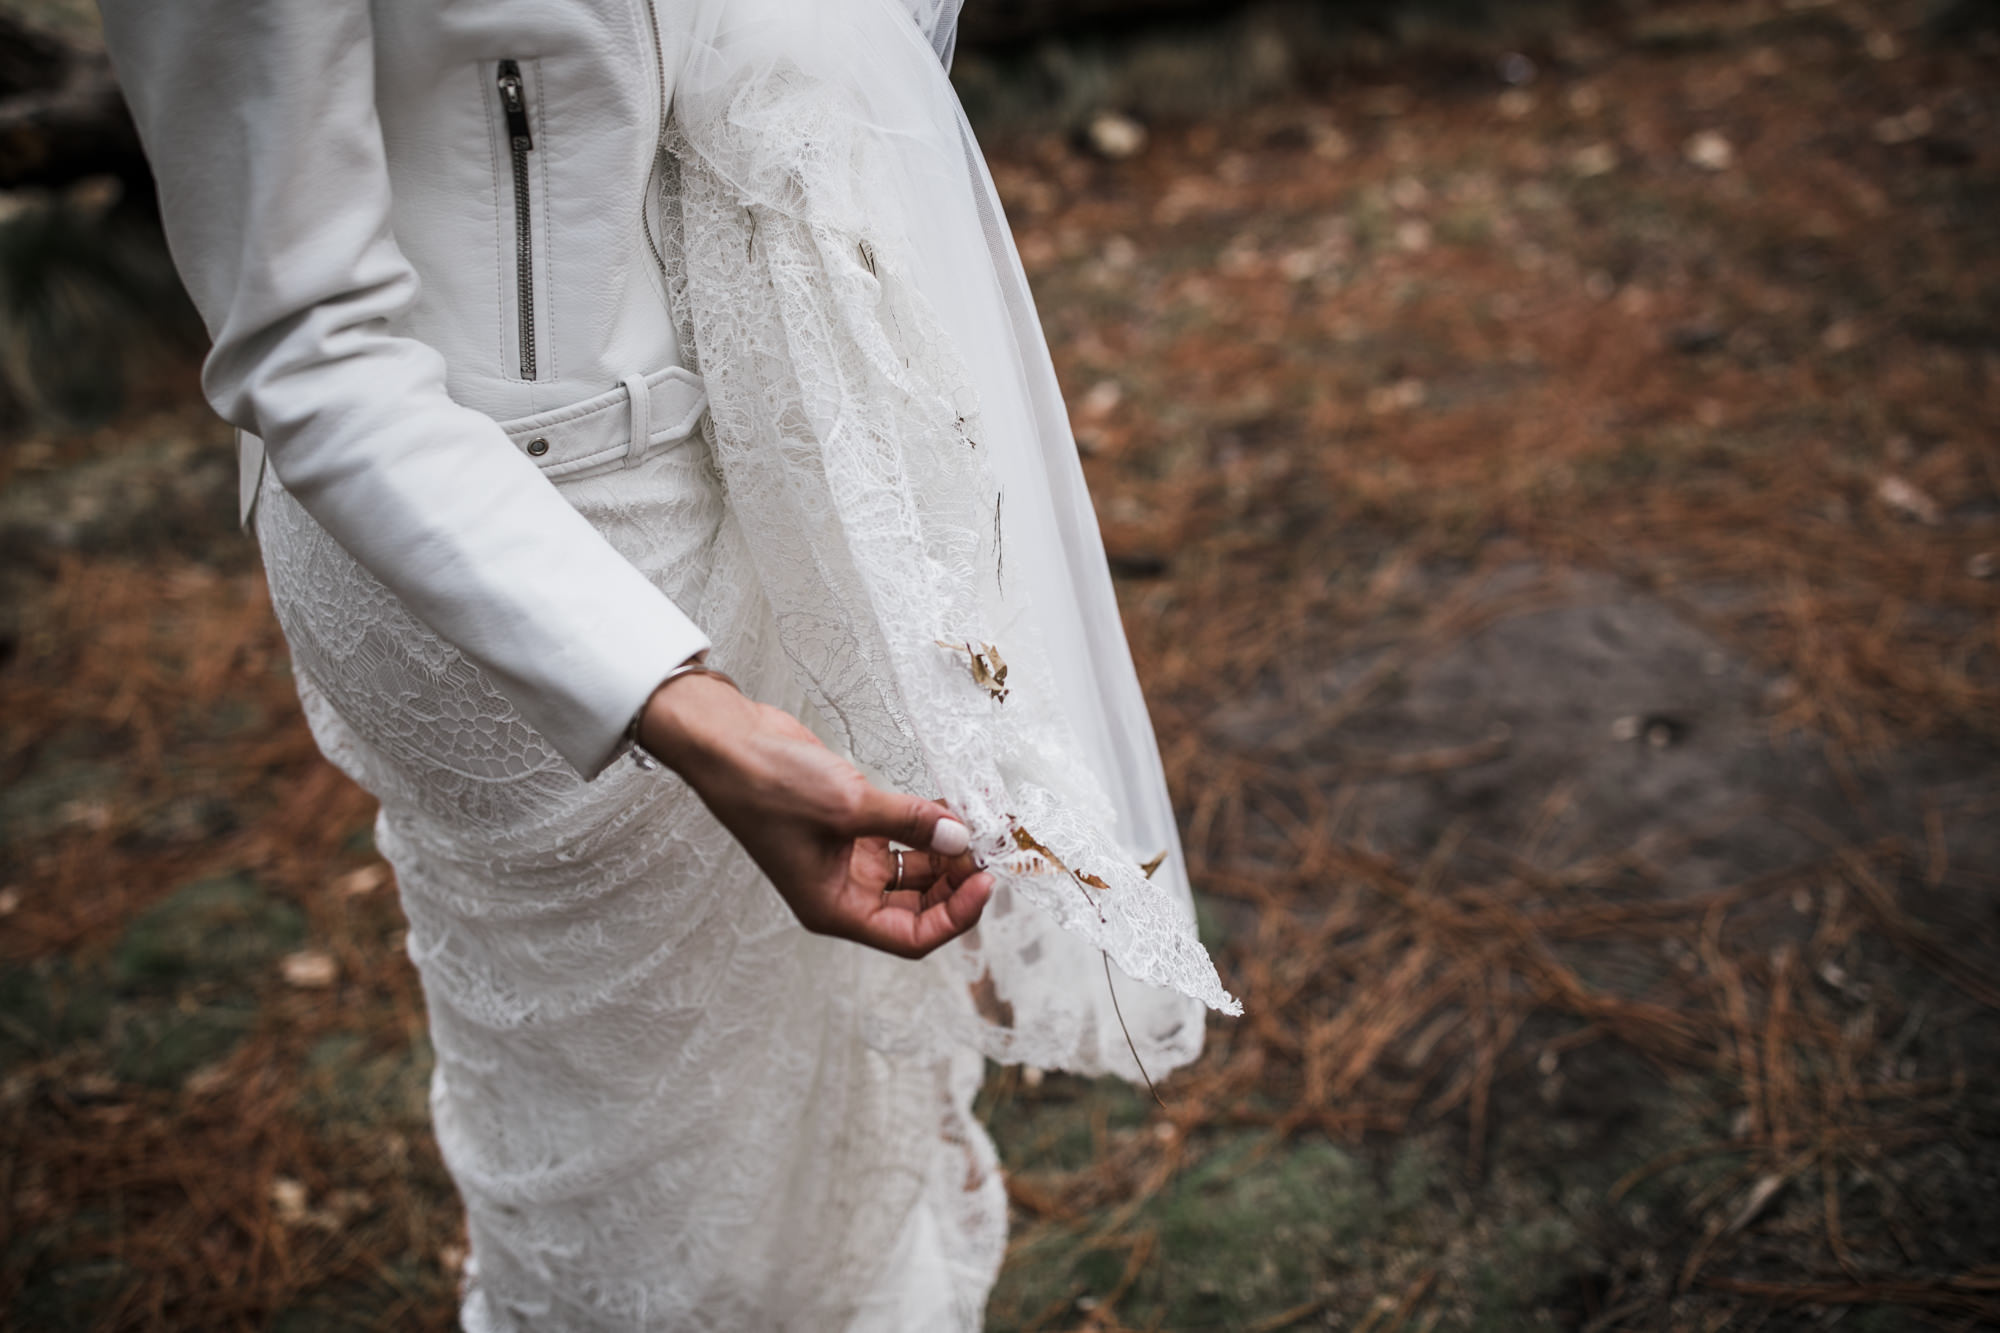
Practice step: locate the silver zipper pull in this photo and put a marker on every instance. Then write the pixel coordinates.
(514, 102)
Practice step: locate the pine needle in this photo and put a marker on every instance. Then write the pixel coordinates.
(1130, 1045)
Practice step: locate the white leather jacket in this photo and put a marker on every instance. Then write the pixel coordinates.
(408, 226)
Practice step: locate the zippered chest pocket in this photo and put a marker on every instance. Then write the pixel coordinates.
(517, 122)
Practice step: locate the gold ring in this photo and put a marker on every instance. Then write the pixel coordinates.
(899, 871)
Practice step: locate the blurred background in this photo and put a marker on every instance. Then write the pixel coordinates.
(1550, 456)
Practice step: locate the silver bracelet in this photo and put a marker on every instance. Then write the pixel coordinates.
(644, 758)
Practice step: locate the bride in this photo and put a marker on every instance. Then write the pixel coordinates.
(673, 517)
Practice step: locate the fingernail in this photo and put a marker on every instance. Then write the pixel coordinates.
(950, 838)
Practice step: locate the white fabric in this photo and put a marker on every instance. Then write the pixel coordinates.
(665, 1105)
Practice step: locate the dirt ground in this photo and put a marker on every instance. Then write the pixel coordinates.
(1554, 483)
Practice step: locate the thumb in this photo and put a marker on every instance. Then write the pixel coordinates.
(910, 820)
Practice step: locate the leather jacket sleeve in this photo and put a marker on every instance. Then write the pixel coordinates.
(259, 119)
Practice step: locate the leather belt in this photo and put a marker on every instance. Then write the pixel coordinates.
(644, 414)
(624, 425)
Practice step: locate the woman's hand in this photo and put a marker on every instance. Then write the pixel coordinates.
(814, 824)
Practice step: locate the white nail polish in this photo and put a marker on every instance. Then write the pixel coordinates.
(950, 838)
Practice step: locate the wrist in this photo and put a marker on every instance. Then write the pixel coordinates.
(686, 716)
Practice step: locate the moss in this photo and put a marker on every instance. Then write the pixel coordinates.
(177, 993)
(161, 1046)
(357, 1084)
(223, 930)
(62, 775)
(26, 1022)
(47, 1005)
(1252, 1226)
(1534, 1260)
(66, 1283)
(1415, 1173)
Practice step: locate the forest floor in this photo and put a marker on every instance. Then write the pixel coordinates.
(1556, 506)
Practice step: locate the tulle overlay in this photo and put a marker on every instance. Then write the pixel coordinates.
(892, 442)
(666, 1105)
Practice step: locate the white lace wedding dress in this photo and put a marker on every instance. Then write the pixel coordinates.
(665, 1104)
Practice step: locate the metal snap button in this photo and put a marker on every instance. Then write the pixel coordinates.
(537, 447)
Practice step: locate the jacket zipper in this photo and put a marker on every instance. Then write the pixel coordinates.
(521, 142)
(659, 69)
(659, 57)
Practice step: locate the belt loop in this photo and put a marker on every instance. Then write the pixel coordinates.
(642, 418)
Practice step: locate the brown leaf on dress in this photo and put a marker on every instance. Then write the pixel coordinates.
(1028, 842)
(989, 669)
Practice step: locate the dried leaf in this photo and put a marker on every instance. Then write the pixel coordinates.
(365, 880)
(1115, 135)
(310, 969)
(989, 669)
(1027, 842)
(1754, 1202)
(1710, 151)
(1908, 501)
(288, 1200)
(1159, 859)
